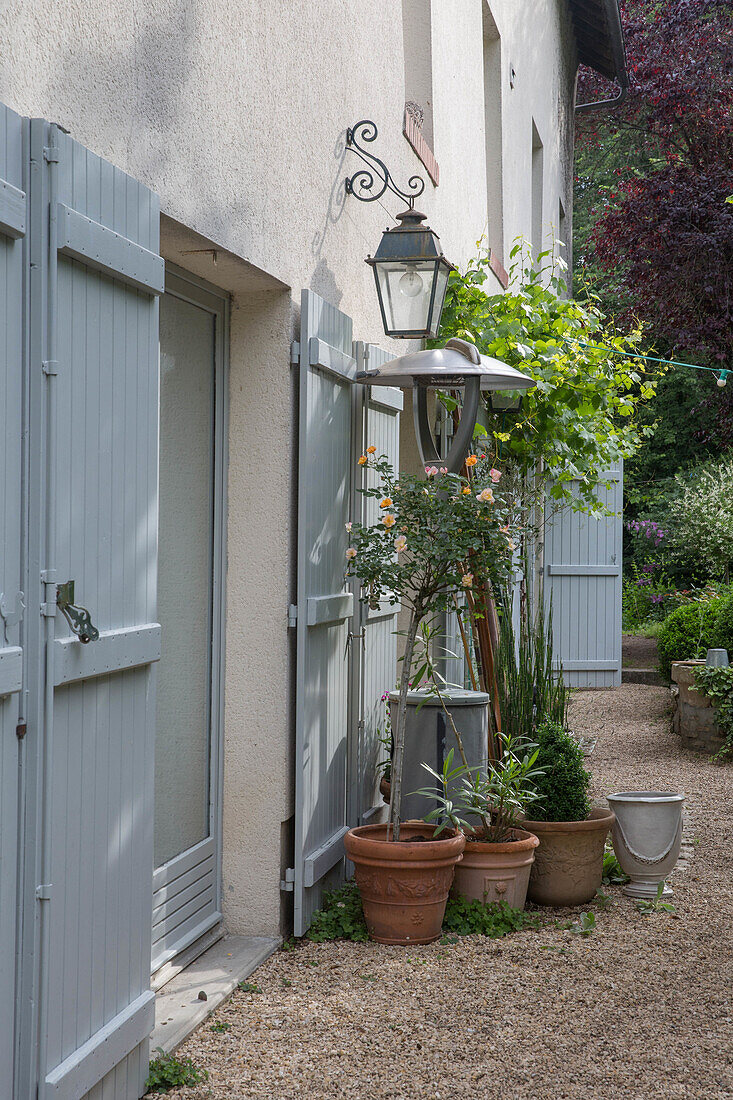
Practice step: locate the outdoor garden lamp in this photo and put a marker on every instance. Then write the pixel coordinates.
(458, 365)
(411, 274)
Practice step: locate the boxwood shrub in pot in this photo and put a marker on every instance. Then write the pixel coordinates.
(568, 865)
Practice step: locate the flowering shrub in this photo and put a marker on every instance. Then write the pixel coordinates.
(702, 514)
(648, 595)
(426, 538)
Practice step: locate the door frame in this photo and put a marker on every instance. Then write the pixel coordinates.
(198, 292)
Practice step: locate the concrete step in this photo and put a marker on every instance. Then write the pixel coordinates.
(642, 676)
(178, 1010)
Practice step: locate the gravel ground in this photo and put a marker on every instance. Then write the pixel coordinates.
(641, 1008)
(639, 652)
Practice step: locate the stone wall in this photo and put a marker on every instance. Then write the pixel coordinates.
(693, 716)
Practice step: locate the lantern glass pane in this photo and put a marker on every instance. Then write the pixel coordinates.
(405, 291)
(441, 283)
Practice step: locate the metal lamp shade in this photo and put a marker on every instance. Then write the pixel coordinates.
(458, 365)
(411, 276)
(451, 367)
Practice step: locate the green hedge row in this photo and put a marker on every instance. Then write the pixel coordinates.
(689, 631)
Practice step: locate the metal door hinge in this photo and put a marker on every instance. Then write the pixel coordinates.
(294, 353)
(21, 730)
(51, 154)
(50, 366)
(76, 616)
(43, 892)
(288, 883)
(293, 616)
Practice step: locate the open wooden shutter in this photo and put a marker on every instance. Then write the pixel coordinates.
(13, 223)
(583, 560)
(375, 658)
(93, 479)
(325, 603)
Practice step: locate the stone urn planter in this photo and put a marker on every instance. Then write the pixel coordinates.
(647, 835)
(404, 884)
(492, 872)
(568, 865)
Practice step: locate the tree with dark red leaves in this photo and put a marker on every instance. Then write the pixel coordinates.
(654, 228)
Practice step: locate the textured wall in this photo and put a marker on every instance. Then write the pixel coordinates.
(234, 111)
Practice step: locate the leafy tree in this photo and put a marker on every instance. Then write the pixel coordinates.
(658, 244)
(579, 420)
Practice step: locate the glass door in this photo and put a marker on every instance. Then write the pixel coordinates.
(186, 898)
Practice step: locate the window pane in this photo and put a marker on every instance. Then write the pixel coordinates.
(184, 577)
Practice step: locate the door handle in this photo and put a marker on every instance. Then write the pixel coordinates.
(77, 617)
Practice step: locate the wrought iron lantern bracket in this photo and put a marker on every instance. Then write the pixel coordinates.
(370, 183)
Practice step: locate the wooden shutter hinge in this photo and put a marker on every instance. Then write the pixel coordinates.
(294, 353)
(293, 616)
(43, 892)
(287, 884)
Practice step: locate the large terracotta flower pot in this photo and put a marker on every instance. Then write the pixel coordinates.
(647, 836)
(403, 884)
(496, 872)
(568, 865)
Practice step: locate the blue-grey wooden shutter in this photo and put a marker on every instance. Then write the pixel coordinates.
(13, 222)
(583, 559)
(374, 658)
(325, 603)
(95, 324)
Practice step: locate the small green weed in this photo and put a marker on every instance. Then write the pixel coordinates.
(604, 900)
(249, 987)
(288, 945)
(167, 1072)
(647, 906)
(341, 917)
(219, 1027)
(612, 873)
(286, 983)
(585, 925)
(495, 920)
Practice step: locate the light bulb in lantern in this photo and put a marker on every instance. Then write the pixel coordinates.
(411, 284)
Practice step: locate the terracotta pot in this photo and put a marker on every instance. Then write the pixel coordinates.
(403, 885)
(568, 865)
(496, 872)
(385, 789)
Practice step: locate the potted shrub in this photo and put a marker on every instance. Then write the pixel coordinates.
(568, 865)
(415, 552)
(499, 854)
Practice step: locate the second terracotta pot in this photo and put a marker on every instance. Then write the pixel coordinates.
(403, 884)
(568, 865)
(496, 872)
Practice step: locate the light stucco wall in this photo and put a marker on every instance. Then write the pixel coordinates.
(234, 112)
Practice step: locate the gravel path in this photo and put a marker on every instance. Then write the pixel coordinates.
(641, 1008)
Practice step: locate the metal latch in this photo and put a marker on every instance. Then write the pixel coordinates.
(77, 617)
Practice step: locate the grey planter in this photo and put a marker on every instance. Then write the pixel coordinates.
(429, 738)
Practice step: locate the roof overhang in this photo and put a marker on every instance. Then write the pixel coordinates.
(600, 37)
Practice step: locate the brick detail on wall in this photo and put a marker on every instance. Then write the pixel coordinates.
(413, 133)
(499, 270)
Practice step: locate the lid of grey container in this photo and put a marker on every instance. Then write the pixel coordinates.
(454, 697)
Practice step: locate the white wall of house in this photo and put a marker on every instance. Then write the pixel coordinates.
(234, 112)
